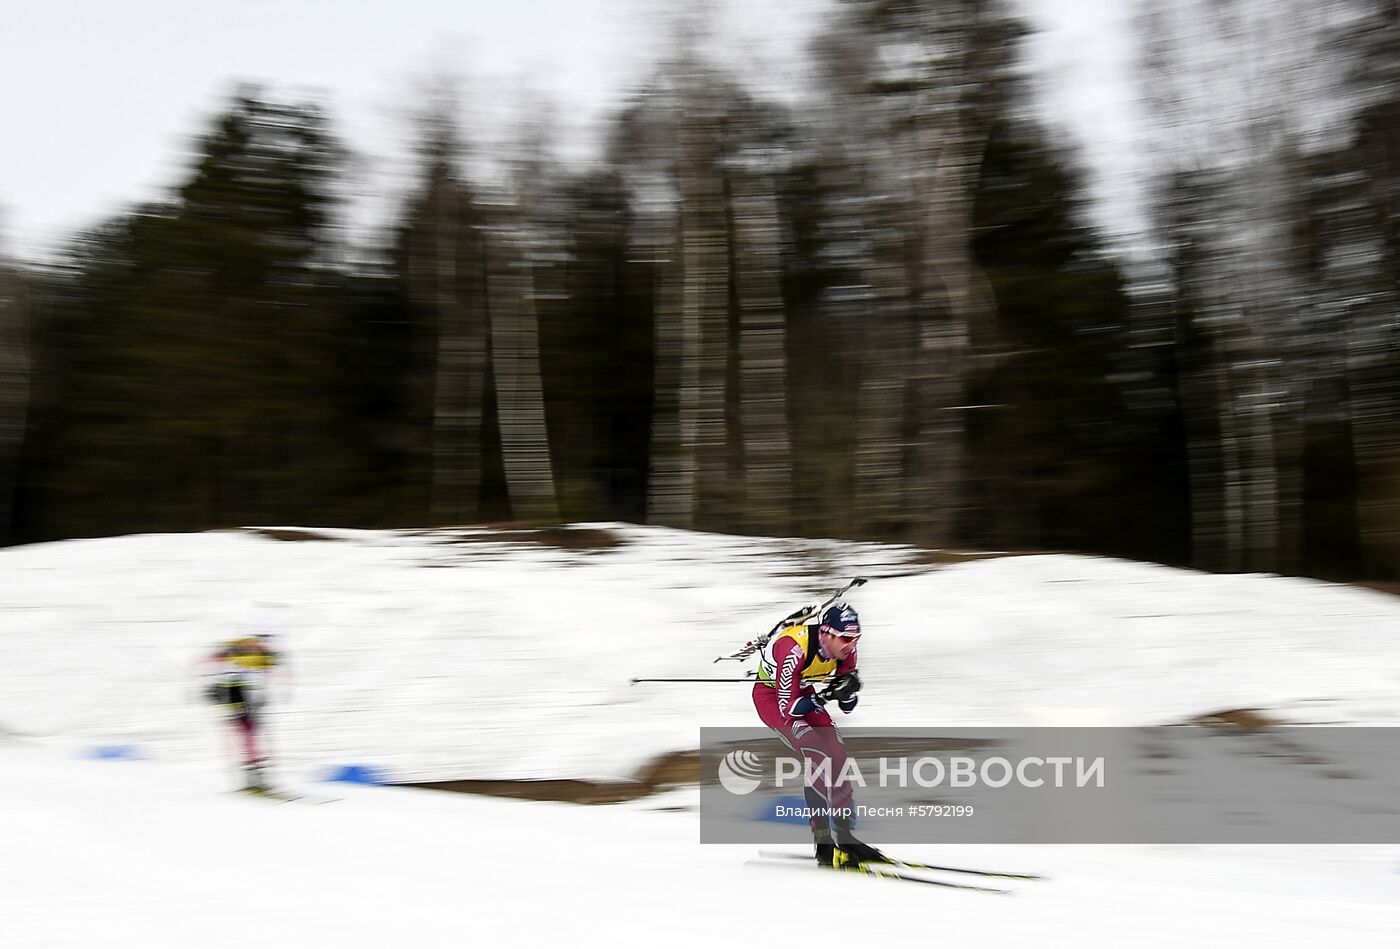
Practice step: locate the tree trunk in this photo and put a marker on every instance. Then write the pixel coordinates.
(446, 276)
(955, 307)
(707, 317)
(15, 380)
(671, 485)
(690, 440)
(763, 360)
(880, 398)
(515, 355)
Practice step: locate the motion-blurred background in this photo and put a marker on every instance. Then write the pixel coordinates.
(925, 272)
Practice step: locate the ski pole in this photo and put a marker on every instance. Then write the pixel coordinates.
(749, 679)
(635, 681)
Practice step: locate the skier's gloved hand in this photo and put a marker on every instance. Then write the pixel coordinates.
(848, 705)
(843, 687)
(806, 705)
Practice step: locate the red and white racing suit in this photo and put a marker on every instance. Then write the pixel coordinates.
(790, 661)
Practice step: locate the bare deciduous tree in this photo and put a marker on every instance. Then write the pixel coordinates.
(518, 246)
(762, 356)
(446, 274)
(1244, 94)
(910, 82)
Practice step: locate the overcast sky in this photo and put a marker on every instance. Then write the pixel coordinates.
(103, 98)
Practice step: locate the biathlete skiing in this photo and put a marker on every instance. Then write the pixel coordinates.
(793, 661)
(238, 673)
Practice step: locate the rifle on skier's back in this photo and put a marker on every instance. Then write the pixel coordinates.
(799, 618)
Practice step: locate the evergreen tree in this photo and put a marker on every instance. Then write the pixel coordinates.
(203, 366)
(596, 343)
(1056, 448)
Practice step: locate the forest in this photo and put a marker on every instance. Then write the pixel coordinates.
(884, 315)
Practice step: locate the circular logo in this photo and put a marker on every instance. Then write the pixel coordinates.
(740, 772)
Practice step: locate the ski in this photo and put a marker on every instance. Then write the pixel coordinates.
(912, 865)
(284, 797)
(268, 794)
(263, 793)
(887, 871)
(999, 874)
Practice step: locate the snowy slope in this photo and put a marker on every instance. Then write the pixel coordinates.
(441, 655)
(450, 654)
(151, 856)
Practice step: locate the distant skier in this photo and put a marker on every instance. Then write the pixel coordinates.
(789, 704)
(239, 671)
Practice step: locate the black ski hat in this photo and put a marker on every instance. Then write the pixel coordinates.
(841, 620)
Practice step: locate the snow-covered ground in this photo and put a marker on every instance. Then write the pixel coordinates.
(437, 655)
(151, 856)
